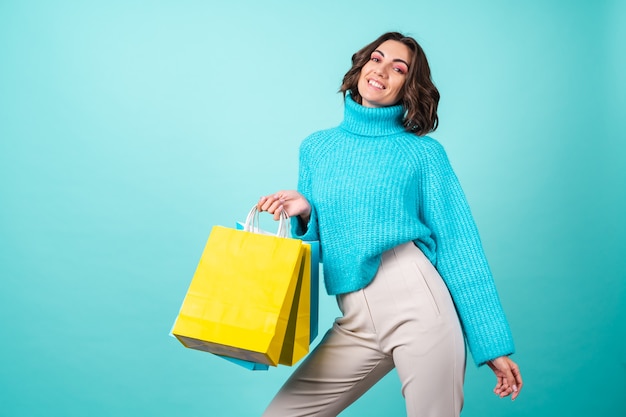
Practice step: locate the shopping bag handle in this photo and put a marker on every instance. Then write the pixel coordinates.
(252, 223)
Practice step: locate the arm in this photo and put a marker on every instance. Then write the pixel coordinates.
(461, 261)
(296, 203)
(463, 266)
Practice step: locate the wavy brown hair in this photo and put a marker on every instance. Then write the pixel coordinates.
(419, 96)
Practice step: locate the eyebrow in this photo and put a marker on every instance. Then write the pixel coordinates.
(395, 60)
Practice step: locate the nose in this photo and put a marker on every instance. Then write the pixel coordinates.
(381, 72)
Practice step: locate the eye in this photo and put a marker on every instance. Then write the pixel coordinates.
(400, 70)
(376, 58)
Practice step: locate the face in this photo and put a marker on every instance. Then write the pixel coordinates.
(382, 78)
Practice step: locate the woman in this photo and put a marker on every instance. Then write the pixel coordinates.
(400, 249)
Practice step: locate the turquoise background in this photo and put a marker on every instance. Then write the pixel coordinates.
(129, 128)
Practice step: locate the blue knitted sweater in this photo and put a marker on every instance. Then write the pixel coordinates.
(373, 186)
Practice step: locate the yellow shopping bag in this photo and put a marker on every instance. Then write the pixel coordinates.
(242, 295)
(297, 335)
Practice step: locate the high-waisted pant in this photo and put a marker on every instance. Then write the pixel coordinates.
(404, 318)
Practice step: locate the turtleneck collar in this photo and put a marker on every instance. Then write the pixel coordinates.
(371, 121)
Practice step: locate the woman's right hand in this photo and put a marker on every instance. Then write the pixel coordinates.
(291, 201)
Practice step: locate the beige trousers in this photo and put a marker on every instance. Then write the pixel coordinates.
(404, 318)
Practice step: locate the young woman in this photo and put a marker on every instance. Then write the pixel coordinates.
(400, 249)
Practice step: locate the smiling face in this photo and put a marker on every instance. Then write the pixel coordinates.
(383, 77)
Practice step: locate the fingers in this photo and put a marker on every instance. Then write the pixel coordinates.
(507, 382)
(289, 201)
(508, 377)
(502, 388)
(518, 380)
(273, 204)
(513, 378)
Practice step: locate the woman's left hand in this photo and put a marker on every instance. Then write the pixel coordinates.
(509, 377)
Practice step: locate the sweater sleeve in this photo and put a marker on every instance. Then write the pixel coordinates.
(308, 232)
(461, 261)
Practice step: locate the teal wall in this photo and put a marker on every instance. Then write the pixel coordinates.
(129, 128)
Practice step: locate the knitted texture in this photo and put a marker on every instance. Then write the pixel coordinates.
(373, 186)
